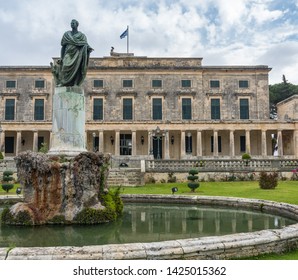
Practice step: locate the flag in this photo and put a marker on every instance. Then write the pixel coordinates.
(124, 34)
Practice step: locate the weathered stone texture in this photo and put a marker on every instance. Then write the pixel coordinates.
(53, 188)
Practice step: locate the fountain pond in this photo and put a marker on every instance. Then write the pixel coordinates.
(145, 222)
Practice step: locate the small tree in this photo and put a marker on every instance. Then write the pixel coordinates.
(44, 148)
(192, 177)
(268, 180)
(7, 178)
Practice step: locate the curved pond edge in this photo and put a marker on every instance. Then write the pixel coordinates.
(232, 246)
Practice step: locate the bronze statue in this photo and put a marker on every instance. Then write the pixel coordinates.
(72, 68)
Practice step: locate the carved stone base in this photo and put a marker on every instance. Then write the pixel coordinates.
(68, 130)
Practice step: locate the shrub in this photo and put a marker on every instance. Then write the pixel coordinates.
(171, 178)
(7, 187)
(7, 178)
(268, 180)
(246, 156)
(1, 156)
(151, 180)
(44, 148)
(192, 177)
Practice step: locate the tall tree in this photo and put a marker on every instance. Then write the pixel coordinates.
(279, 92)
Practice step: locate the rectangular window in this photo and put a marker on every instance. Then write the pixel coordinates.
(186, 108)
(243, 84)
(242, 144)
(127, 83)
(244, 109)
(11, 84)
(218, 144)
(156, 83)
(39, 84)
(97, 109)
(125, 144)
(9, 145)
(98, 83)
(157, 108)
(127, 108)
(39, 110)
(214, 84)
(9, 109)
(186, 83)
(215, 109)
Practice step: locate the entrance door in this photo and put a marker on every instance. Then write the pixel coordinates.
(9, 145)
(157, 147)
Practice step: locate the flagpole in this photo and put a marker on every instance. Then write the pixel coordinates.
(127, 39)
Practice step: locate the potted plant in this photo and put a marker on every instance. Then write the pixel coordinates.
(246, 158)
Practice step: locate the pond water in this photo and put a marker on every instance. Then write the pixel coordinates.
(145, 223)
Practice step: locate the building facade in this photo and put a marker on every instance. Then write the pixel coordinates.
(162, 108)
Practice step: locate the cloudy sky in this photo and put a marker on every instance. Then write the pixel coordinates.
(223, 32)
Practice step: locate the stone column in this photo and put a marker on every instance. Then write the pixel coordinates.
(19, 142)
(247, 140)
(117, 143)
(35, 141)
(133, 143)
(100, 141)
(280, 143)
(264, 143)
(182, 151)
(150, 143)
(167, 145)
(2, 140)
(232, 143)
(295, 143)
(215, 143)
(199, 143)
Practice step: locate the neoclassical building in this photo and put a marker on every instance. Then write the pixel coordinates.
(163, 108)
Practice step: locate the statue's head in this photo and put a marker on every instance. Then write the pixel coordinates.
(74, 23)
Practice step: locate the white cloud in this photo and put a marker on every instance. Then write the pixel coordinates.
(220, 31)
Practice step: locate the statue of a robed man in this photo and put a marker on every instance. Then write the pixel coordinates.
(71, 69)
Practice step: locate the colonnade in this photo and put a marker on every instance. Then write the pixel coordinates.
(200, 142)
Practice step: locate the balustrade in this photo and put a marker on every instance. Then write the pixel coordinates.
(224, 165)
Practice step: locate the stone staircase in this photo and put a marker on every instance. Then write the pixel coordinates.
(126, 177)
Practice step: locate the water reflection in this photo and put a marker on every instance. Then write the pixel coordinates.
(145, 223)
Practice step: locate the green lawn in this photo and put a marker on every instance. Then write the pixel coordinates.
(286, 191)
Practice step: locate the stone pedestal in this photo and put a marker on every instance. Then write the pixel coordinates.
(68, 129)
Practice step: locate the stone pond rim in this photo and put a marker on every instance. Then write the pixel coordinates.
(231, 246)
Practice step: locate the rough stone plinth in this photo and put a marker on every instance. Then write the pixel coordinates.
(57, 189)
